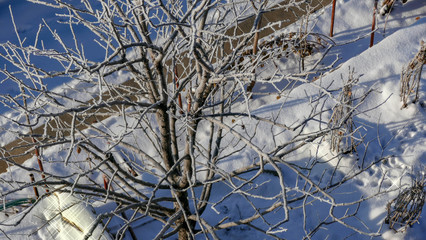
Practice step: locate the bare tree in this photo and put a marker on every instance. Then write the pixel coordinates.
(180, 118)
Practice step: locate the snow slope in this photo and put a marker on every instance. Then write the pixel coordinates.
(401, 132)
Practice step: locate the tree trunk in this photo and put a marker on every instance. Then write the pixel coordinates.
(187, 227)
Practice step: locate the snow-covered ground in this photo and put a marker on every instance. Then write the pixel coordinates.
(399, 135)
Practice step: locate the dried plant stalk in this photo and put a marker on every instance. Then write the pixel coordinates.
(341, 120)
(411, 75)
(406, 208)
(387, 6)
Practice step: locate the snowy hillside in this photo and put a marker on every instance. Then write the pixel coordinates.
(389, 157)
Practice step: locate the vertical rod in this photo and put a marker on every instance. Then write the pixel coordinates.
(34, 187)
(332, 18)
(255, 43)
(176, 79)
(36, 151)
(106, 181)
(373, 24)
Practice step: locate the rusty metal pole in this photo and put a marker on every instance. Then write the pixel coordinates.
(34, 187)
(254, 51)
(40, 164)
(176, 80)
(332, 18)
(36, 150)
(373, 24)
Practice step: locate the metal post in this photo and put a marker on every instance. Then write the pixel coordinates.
(373, 24)
(332, 18)
(34, 187)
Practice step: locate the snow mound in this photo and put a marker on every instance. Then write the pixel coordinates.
(68, 218)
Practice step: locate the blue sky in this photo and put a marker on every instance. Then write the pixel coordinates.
(28, 17)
